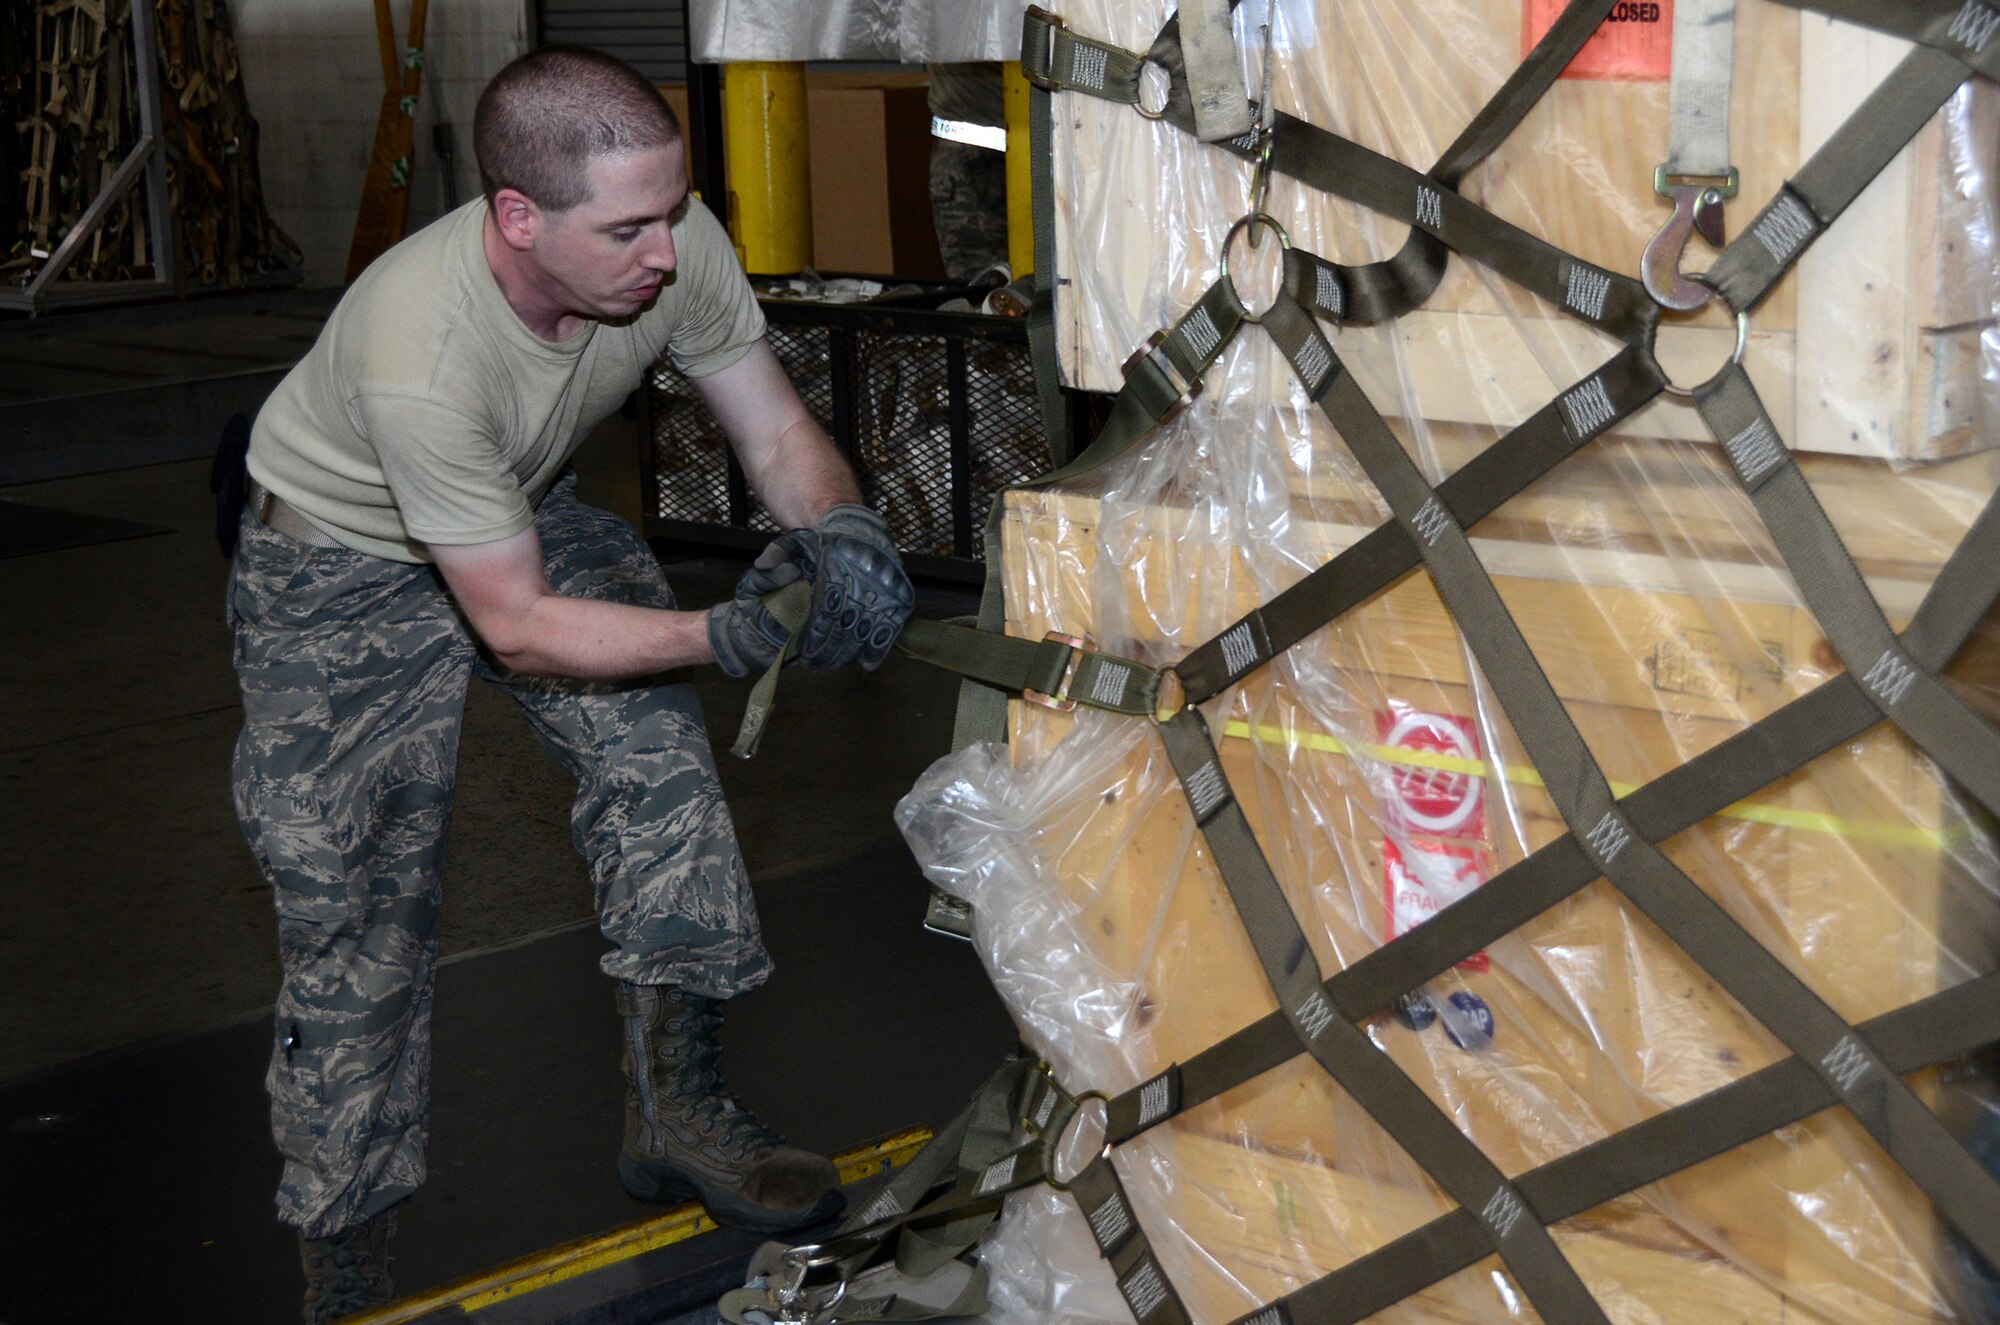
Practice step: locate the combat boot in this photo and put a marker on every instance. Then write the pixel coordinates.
(348, 1272)
(687, 1136)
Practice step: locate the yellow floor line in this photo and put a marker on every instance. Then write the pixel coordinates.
(1866, 830)
(556, 1264)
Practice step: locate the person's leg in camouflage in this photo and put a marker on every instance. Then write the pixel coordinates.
(968, 207)
(353, 672)
(673, 898)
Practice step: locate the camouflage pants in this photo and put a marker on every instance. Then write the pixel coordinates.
(354, 671)
(968, 207)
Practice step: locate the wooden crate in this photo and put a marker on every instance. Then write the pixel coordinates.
(1851, 870)
(1871, 346)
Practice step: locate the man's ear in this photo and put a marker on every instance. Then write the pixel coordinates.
(518, 219)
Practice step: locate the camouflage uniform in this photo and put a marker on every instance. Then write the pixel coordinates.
(968, 183)
(354, 671)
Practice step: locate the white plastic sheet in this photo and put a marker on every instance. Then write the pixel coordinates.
(904, 31)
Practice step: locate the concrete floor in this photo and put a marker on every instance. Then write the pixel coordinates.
(138, 959)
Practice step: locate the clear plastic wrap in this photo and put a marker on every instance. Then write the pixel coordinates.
(906, 31)
(1880, 343)
(1382, 778)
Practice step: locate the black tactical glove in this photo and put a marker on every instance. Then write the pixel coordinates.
(861, 597)
(747, 639)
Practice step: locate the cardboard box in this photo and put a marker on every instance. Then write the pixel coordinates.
(870, 137)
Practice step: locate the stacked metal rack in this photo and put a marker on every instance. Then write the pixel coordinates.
(936, 410)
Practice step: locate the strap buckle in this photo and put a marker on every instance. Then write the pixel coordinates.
(1152, 350)
(1060, 701)
(1037, 14)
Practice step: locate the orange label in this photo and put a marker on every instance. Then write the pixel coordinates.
(1634, 44)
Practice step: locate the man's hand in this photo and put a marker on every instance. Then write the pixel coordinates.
(861, 597)
(746, 638)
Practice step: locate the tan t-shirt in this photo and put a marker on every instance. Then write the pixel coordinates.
(427, 413)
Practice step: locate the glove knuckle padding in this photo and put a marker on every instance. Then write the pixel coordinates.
(861, 598)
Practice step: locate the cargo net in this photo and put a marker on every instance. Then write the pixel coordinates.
(903, 401)
(1759, 1146)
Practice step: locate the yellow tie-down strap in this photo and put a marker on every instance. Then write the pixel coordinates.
(1778, 816)
(542, 1269)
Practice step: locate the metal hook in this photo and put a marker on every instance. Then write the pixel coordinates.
(792, 1298)
(1697, 204)
(1267, 123)
(1260, 180)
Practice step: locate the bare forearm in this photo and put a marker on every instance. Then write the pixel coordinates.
(789, 459)
(595, 641)
(803, 476)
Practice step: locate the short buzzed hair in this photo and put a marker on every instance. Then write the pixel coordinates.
(545, 115)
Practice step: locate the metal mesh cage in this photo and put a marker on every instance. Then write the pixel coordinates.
(936, 420)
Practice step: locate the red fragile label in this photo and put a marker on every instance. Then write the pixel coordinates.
(1634, 43)
(1424, 797)
(1421, 879)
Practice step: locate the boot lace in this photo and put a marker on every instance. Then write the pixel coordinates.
(345, 1274)
(705, 1101)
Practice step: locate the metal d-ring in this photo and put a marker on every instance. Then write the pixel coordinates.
(1139, 91)
(1284, 242)
(1735, 359)
(1055, 1143)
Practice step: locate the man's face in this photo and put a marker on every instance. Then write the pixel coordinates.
(609, 256)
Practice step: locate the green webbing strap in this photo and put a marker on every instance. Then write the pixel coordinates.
(1157, 383)
(976, 1151)
(1941, 724)
(980, 1135)
(927, 1278)
(956, 1291)
(1052, 668)
(1609, 300)
(1512, 1228)
(789, 606)
(1832, 714)
(1756, 259)
(1220, 105)
(1497, 474)
(1887, 1108)
(1054, 58)
(1523, 90)
(1120, 1241)
(1941, 1027)
(1390, 288)
(1964, 29)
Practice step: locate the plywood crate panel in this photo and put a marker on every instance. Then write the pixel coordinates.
(1850, 871)
(1871, 346)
